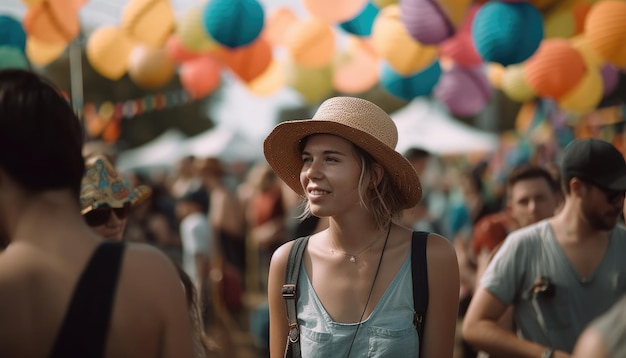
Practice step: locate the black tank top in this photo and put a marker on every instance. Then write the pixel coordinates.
(86, 324)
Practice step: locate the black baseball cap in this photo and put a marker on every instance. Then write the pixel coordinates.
(597, 161)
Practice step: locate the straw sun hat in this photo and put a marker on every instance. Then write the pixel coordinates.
(356, 120)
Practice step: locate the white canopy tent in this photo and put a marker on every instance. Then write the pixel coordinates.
(228, 144)
(422, 123)
(162, 153)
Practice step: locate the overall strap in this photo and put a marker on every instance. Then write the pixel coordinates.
(290, 293)
(419, 269)
(85, 328)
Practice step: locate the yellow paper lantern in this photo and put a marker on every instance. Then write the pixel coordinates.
(108, 49)
(514, 84)
(311, 43)
(382, 3)
(31, 3)
(559, 23)
(591, 57)
(605, 29)
(396, 46)
(190, 31)
(42, 53)
(148, 21)
(586, 95)
(356, 70)
(270, 81)
(454, 9)
(313, 84)
(149, 67)
(495, 71)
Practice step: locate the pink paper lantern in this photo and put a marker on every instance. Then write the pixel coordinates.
(464, 91)
(200, 76)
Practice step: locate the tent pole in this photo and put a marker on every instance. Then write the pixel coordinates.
(76, 77)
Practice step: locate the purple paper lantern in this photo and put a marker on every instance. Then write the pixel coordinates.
(464, 91)
(610, 78)
(425, 21)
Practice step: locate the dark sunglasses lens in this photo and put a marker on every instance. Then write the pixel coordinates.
(122, 213)
(97, 216)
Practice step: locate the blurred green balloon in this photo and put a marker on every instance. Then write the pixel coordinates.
(12, 57)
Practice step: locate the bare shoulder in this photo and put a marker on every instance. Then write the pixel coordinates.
(145, 265)
(280, 257)
(440, 248)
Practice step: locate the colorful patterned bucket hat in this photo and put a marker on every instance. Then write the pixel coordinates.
(102, 185)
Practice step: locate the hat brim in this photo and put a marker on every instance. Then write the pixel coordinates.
(616, 184)
(140, 194)
(282, 152)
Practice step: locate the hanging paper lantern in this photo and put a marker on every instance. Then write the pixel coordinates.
(384, 3)
(543, 4)
(313, 84)
(356, 70)
(425, 21)
(108, 50)
(464, 91)
(394, 44)
(311, 43)
(407, 88)
(11, 57)
(31, 3)
(362, 24)
(495, 72)
(585, 96)
(507, 33)
(11, 33)
(514, 84)
(605, 29)
(55, 21)
(270, 81)
(233, 23)
(455, 10)
(177, 52)
(460, 47)
(580, 12)
(559, 23)
(555, 69)
(190, 31)
(278, 25)
(610, 79)
(591, 57)
(41, 53)
(150, 68)
(150, 22)
(333, 11)
(248, 62)
(200, 76)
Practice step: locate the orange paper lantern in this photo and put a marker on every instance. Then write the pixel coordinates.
(53, 21)
(334, 11)
(356, 70)
(270, 81)
(605, 29)
(150, 68)
(277, 26)
(108, 49)
(148, 21)
(554, 69)
(200, 76)
(250, 61)
(394, 44)
(311, 43)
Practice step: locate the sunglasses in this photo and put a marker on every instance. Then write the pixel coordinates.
(101, 215)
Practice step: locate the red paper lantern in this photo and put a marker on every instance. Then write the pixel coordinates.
(200, 76)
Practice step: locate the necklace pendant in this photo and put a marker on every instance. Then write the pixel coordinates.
(352, 259)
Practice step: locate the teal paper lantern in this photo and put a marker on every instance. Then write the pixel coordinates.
(361, 25)
(233, 23)
(409, 87)
(12, 33)
(507, 32)
(12, 57)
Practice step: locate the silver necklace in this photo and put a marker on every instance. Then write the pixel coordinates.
(352, 257)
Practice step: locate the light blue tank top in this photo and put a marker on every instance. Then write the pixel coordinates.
(387, 332)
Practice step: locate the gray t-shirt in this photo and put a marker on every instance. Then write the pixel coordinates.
(612, 328)
(555, 321)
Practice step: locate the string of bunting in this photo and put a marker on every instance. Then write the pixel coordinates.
(103, 118)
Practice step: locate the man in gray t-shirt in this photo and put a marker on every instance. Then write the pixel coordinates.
(561, 273)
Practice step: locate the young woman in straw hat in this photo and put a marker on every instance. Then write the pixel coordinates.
(354, 292)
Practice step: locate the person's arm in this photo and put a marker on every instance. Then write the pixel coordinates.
(481, 329)
(279, 324)
(590, 344)
(443, 299)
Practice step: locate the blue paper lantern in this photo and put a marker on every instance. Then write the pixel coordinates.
(361, 25)
(12, 57)
(409, 87)
(233, 23)
(507, 32)
(12, 33)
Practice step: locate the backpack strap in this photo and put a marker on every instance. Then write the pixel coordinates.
(419, 270)
(290, 293)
